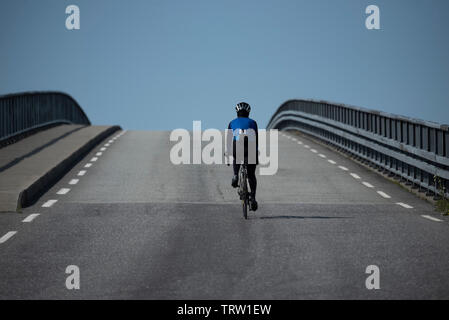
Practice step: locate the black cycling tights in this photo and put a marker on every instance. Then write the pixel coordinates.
(251, 176)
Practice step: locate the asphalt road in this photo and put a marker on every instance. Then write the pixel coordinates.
(139, 227)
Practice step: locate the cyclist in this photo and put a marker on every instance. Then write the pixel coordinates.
(239, 124)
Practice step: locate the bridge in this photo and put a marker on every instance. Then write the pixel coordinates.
(353, 189)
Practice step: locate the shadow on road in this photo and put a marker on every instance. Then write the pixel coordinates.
(303, 217)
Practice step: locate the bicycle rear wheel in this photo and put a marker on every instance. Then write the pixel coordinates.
(244, 193)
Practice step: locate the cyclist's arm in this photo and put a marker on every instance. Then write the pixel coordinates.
(229, 139)
(257, 135)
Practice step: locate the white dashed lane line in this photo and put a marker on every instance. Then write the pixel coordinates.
(74, 181)
(355, 176)
(383, 194)
(63, 191)
(31, 217)
(368, 185)
(431, 218)
(7, 236)
(404, 205)
(49, 203)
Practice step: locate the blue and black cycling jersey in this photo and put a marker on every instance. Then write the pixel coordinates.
(244, 123)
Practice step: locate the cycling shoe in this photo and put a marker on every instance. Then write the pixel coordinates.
(235, 181)
(253, 204)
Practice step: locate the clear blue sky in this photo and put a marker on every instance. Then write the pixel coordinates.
(161, 64)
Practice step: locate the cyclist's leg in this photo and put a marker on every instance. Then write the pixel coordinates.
(253, 186)
(252, 179)
(235, 178)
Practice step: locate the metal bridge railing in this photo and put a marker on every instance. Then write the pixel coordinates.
(22, 112)
(416, 151)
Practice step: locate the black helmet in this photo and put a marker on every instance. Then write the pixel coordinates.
(243, 106)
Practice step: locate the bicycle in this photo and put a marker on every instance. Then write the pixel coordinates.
(243, 189)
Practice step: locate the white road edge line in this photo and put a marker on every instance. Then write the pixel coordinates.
(299, 142)
(366, 184)
(313, 150)
(88, 165)
(383, 194)
(31, 217)
(103, 149)
(63, 191)
(306, 146)
(331, 161)
(404, 205)
(431, 218)
(49, 203)
(322, 155)
(343, 168)
(94, 159)
(99, 154)
(82, 173)
(7, 236)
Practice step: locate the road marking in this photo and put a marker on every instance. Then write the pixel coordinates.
(102, 149)
(306, 146)
(299, 142)
(99, 154)
(94, 159)
(404, 205)
(354, 176)
(63, 191)
(322, 155)
(294, 139)
(366, 184)
(110, 141)
(74, 181)
(383, 194)
(313, 150)
(31, 217)
(107, 145)
(7, 236)
(343, 168)
(82, 173)
(431, 218)
(49, 203)
(88, 165)
(331, 161)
